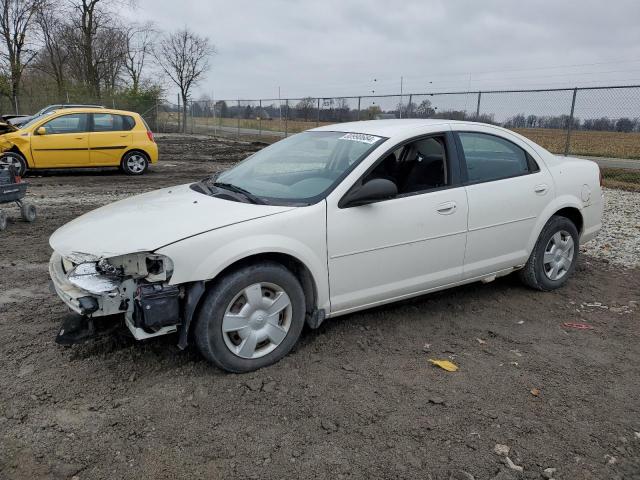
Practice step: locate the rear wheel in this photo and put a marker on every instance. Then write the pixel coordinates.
(16, 160)
(251, 318)
(554, 256)
(134, 163)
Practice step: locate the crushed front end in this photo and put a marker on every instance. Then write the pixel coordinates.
(103, 291)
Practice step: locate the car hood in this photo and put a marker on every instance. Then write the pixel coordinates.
(6, 127)
(149, 221)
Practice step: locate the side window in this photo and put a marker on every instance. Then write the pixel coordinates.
(127, 122)
(489, 157)
(106, 122)
(415, 167)
(72, 123)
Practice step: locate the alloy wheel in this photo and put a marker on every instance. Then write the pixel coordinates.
(136, 163)
(13, 160)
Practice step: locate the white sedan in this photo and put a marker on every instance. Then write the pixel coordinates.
(324, 223)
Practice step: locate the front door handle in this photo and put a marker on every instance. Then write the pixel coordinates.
(446, 208)
(541, 189)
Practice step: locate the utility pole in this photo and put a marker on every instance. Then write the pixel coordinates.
(213, 100)
(400, 106)
(280, 106)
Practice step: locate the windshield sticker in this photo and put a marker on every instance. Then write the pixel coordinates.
(360, 137)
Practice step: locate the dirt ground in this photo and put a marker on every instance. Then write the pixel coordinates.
(356, 399)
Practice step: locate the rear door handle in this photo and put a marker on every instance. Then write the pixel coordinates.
(446, 208)
(541, 189)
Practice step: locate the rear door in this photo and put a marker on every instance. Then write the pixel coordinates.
(65, 142)
(110, 138)
(508, 188)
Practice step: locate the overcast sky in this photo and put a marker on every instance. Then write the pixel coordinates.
(338, 47)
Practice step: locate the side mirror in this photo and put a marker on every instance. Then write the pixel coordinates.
(372, 191)
(41, 131)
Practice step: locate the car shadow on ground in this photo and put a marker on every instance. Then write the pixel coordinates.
(435, 305)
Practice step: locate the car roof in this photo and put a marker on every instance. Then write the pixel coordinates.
(92, 110)
(384, 128)
(398, 127)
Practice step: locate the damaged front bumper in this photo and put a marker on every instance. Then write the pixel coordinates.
(149, 309)
(90, 294)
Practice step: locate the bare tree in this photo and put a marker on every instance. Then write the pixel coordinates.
(17, 21)
(139, 41)
(306, 106)
(184, 57)
(55, 53)
(98, 44)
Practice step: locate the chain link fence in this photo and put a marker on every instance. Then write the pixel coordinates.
(598, 122)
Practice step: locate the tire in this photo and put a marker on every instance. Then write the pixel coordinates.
(3, 221)
(28, 212)
(16, 160)
(134, 163)
(255, 337)
(554, 256)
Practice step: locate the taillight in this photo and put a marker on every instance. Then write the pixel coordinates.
(150, 135)
(18, 179)
(601, 179)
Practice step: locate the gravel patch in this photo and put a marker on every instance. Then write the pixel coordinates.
(619, 240)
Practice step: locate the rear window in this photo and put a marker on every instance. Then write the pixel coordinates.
(108, 122)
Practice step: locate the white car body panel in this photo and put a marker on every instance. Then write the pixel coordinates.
(151, 220)
(359, 256)
(385, 250)
(299, 232)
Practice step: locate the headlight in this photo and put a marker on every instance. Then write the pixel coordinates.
(88, 278)
(152, 267)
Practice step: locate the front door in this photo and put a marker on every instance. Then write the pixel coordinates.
(110, 138)
(65, 142)
(406, 245)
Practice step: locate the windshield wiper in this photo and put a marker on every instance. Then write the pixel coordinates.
(234, 188)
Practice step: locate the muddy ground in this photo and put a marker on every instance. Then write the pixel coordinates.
(356, 399)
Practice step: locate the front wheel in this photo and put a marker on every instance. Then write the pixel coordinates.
(554, 256)
(15, 160)
(134, 163)
(251, 318)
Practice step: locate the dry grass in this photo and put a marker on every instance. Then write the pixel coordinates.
(621, 178)
(589, 143)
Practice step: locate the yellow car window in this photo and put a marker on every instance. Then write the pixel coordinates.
(72, 123)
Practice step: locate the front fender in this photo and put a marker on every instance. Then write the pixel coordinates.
(299, 233)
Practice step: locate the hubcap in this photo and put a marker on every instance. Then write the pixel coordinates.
(136, 163)
(257, 320)
(558, 255)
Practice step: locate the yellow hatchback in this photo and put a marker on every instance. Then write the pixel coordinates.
(82, 137)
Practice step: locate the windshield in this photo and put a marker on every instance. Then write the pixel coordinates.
(301, 168)
(37, 117)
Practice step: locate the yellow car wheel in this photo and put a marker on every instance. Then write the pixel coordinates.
(16, 160)
(134, 163)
